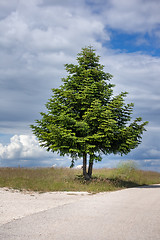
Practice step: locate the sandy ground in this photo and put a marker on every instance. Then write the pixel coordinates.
(15, 204)
(130, 214)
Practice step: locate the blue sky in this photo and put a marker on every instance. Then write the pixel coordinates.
(134, 42)
(39, 36)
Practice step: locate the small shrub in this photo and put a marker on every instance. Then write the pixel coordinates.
(126, 170)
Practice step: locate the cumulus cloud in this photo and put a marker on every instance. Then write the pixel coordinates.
(37, 39)
(138, 74)
(51, 28)
(133, 16)
(25, 151)
(21, 147)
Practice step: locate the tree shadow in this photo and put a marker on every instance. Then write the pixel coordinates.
(150, 186)
(120, 183)
(116, 182)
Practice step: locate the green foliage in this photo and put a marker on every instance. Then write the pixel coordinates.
(83, 117)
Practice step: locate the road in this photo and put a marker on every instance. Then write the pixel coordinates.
(130, 214)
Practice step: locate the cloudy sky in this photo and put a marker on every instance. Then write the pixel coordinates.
(39, 36)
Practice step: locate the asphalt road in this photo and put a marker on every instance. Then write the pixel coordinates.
(131, 214)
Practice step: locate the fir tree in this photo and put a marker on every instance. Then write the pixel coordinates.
(84, 118)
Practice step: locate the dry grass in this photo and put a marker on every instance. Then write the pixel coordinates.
(64, 179)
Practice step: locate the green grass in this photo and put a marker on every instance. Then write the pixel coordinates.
(65, 179)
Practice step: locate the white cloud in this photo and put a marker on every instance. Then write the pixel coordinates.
(132, 16)
(154, 153)
(138, 74)
(36, 41)
(22, 147)
(7, 7)
(25, 151)
(51, 28)
(79, 167)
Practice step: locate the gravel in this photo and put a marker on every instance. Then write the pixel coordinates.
(16, 204)
(130, 214)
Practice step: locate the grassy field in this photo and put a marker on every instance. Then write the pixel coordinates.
(65, 179)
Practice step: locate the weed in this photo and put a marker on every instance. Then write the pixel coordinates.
(65, 179)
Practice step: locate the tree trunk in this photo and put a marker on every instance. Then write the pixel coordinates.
(90, 168)
(85, 167)
(84, 163)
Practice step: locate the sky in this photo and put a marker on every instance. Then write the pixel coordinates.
(39, 36)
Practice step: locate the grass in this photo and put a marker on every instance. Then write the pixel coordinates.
(65, 179)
